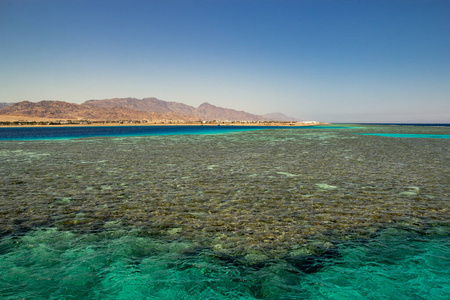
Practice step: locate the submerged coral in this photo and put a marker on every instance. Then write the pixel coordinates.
(251, 196)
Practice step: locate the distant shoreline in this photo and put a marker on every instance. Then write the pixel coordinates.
(19, 121)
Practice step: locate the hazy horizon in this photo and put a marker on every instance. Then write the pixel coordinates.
(336, 61)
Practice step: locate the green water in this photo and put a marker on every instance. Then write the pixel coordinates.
(269, 214)
(50, 264)
(406, 135)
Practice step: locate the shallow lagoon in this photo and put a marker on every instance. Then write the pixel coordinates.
(279, 213)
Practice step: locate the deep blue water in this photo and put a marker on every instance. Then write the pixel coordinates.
(75, 132)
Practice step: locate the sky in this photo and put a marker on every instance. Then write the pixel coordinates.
(323, 60)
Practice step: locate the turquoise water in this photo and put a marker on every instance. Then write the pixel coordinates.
(77, 132)
(51, 264)
(260, 214)
(405, 135)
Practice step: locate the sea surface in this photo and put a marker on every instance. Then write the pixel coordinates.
(221, 212)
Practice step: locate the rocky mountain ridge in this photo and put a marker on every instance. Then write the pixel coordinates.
(151, 109)
(5, 104)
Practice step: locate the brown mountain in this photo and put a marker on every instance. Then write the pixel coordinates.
(64, 110)
(278, 117)
(131, 109)
(146, 104)
(206, 111)
(5, 104)
(210, 112)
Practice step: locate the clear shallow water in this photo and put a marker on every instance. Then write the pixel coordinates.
(51, 264)
(410, 135)
(268, 214)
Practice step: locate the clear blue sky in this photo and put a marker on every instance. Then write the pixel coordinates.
(330, 60)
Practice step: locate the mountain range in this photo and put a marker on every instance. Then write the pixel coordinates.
(114, 109)
(4, 104)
